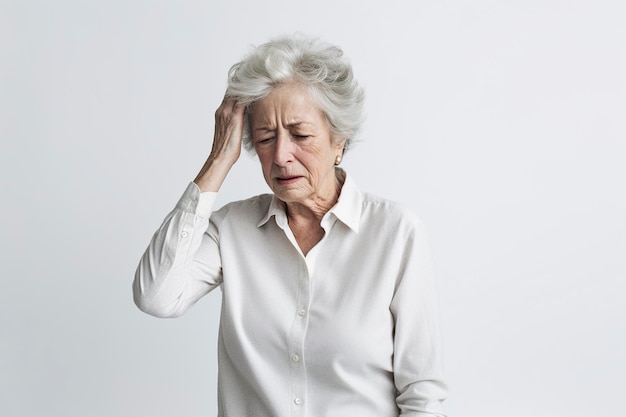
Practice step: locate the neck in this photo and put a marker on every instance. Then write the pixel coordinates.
(313, 209)
(305, 218)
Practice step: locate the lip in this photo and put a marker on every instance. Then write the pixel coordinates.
(287, 180)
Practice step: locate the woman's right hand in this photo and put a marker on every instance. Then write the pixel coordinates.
(226, 145)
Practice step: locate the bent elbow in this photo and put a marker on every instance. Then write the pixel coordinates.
(149, 303)
(156, 309)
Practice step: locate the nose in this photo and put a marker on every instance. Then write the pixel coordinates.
(283, 150)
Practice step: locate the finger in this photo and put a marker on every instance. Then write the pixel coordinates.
(239, 109)
(224, 111)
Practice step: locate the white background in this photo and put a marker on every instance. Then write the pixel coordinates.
(502, 123)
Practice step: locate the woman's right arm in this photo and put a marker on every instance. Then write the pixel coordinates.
(226, 146)
(182, 262)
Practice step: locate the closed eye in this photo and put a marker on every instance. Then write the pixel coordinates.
(265, 140)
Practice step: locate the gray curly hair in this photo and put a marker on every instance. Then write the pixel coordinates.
(316, 65)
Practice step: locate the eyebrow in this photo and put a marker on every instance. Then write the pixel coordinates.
(288, 125)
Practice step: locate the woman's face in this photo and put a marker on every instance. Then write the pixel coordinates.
(294, 144)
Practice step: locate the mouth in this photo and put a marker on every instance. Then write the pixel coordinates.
(285, 180)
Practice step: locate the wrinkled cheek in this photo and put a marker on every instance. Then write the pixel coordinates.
(268, 178)
(266, 170)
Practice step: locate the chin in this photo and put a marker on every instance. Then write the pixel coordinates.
(289, 196)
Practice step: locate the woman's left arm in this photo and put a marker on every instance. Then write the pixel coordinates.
(417, 359)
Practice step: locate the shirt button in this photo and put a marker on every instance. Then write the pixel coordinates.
(297, 401)
(295, 357)
(184, 234)
(302, 312)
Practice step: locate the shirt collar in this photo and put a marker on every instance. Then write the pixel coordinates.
(347, 210)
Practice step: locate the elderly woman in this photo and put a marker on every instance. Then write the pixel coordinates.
(328, 295)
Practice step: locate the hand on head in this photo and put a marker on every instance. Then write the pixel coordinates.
(226, 148)
(228, 131)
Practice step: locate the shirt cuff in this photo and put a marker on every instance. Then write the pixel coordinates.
(196, 202)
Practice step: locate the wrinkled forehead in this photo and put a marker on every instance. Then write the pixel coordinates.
(289, 105)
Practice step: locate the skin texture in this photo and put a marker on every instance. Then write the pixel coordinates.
(295, 148)
(227, 139)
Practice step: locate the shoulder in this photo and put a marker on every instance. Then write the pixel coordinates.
(251, 209)
(384, 213)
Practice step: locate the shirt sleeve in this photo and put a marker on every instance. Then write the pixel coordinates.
(417, 359)
(182, 262)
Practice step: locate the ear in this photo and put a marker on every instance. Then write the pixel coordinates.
(340, 145)
(340, 148)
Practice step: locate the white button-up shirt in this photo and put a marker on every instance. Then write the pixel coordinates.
(349, 330)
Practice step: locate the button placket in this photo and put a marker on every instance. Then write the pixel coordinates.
(297, 335)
